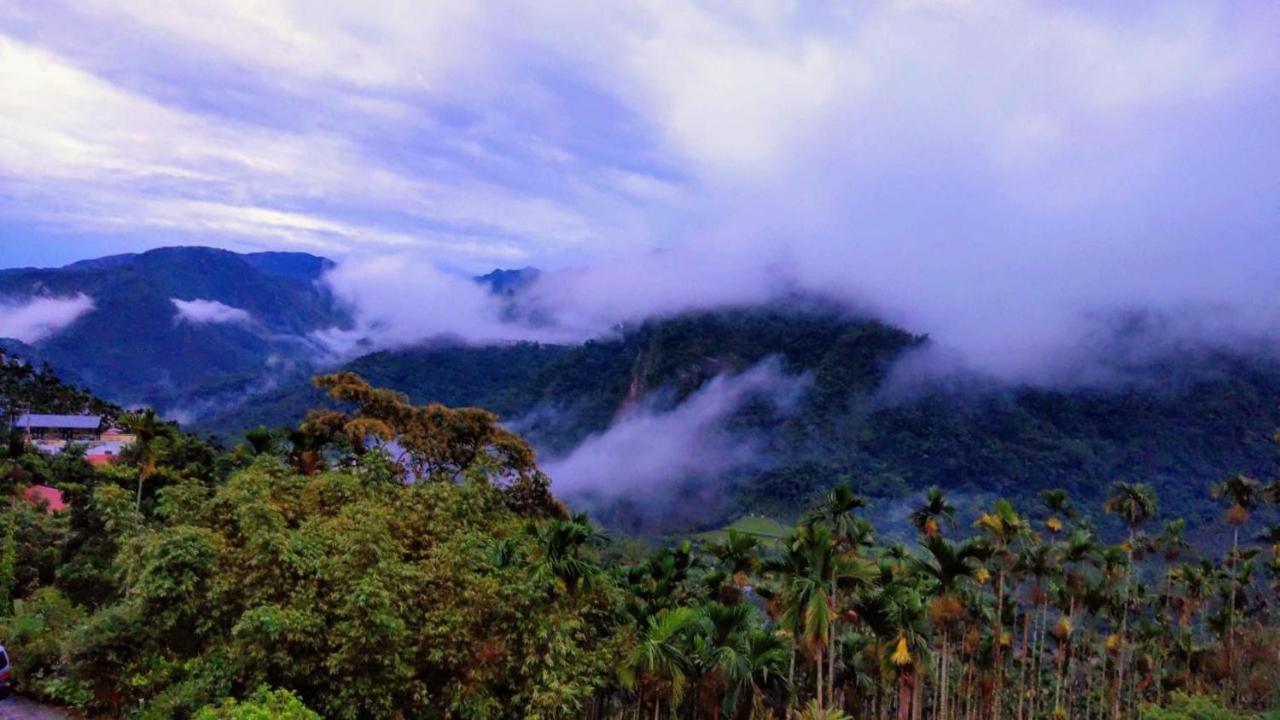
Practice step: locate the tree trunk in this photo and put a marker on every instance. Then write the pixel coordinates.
(1022, 666)
(1121, 659)
(1231, 617)
(791, 680)
(999, 649)
(917, 691)
(904, 697)
(818, 667)
(941, 712)
(1036, 664)
(831, 650)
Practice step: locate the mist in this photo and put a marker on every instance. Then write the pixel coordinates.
(1013, 182)
(204, 312)
(38, 318)
(649, 453)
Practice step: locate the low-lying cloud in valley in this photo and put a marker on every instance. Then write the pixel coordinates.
(205, 312)
(648, 452)
(38, 318)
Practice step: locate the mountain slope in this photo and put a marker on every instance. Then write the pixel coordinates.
(135, 345)
(1182, 429)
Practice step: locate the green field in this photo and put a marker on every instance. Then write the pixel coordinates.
(759, 526)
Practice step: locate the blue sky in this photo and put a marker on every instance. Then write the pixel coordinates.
(992, 173)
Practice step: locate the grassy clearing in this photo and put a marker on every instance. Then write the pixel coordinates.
(762, 527)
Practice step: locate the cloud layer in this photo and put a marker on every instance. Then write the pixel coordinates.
(648, 452)
(204, 312)
(38, 318)
(1009, 177)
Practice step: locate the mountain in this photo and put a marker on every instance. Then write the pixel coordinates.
(169, 324)
(225, 340)
(1185, 425)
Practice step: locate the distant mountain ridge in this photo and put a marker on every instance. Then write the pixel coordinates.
(1181, 432)
(248, 362)
(136, 346)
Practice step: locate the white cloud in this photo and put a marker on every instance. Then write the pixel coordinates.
(994, 174)
(647, 450)
(402, 300)
(205, 312)
(38, 318)
(87, 153)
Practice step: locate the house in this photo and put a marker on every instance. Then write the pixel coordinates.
(65, 428)
(44, 496)
(118, 436)
(104, 453)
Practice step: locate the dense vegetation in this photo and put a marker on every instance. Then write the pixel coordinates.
(26, 388)
(384, 559)
(1183, 425)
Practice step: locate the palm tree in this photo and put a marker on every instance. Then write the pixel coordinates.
(737, 556)
(945, 564)
(836, 512)
(562, 542)
(1242, 494)
(147, 428)
(1038, 562)
(1059, 505)
(1002, 526)
(659, 660)
(1134, 504)
(935, 507)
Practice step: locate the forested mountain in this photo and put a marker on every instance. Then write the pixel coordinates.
(244, 358)
(27, 388)
(310, 574)
(1186, 424)
(139, 344)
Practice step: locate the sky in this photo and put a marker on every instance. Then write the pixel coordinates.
(1004, 176)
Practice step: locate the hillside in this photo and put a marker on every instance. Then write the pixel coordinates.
(1183, 429)
(251, 318)
(25, 387)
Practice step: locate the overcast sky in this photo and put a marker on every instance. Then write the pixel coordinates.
(550, 133)
(997, 172)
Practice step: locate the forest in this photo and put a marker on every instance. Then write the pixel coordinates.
(385, 559)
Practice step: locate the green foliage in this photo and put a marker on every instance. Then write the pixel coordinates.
(263, 705)
(24, 388)
(1191, 707)
(36, 634)
(312, 567)
(1188, 424)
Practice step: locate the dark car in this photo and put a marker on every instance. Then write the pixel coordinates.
(6, 674)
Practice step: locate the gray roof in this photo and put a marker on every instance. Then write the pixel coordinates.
(59, 422)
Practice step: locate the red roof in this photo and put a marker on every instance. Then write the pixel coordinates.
(101, 459)
(50, 498)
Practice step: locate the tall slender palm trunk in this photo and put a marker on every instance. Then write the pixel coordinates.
(999, 648)
(1231, 617)
(1122, 657)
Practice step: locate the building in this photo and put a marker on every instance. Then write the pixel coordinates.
(66, 428)
(106, 452)
(46, 497)
(117, 436)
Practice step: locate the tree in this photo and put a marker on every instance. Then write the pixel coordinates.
(658, 662)
(1242, 494)
(1134, 504)
(148, 430)
(265, 704)
(936, 507)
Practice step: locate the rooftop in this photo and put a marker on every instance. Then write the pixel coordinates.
(59, 422)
